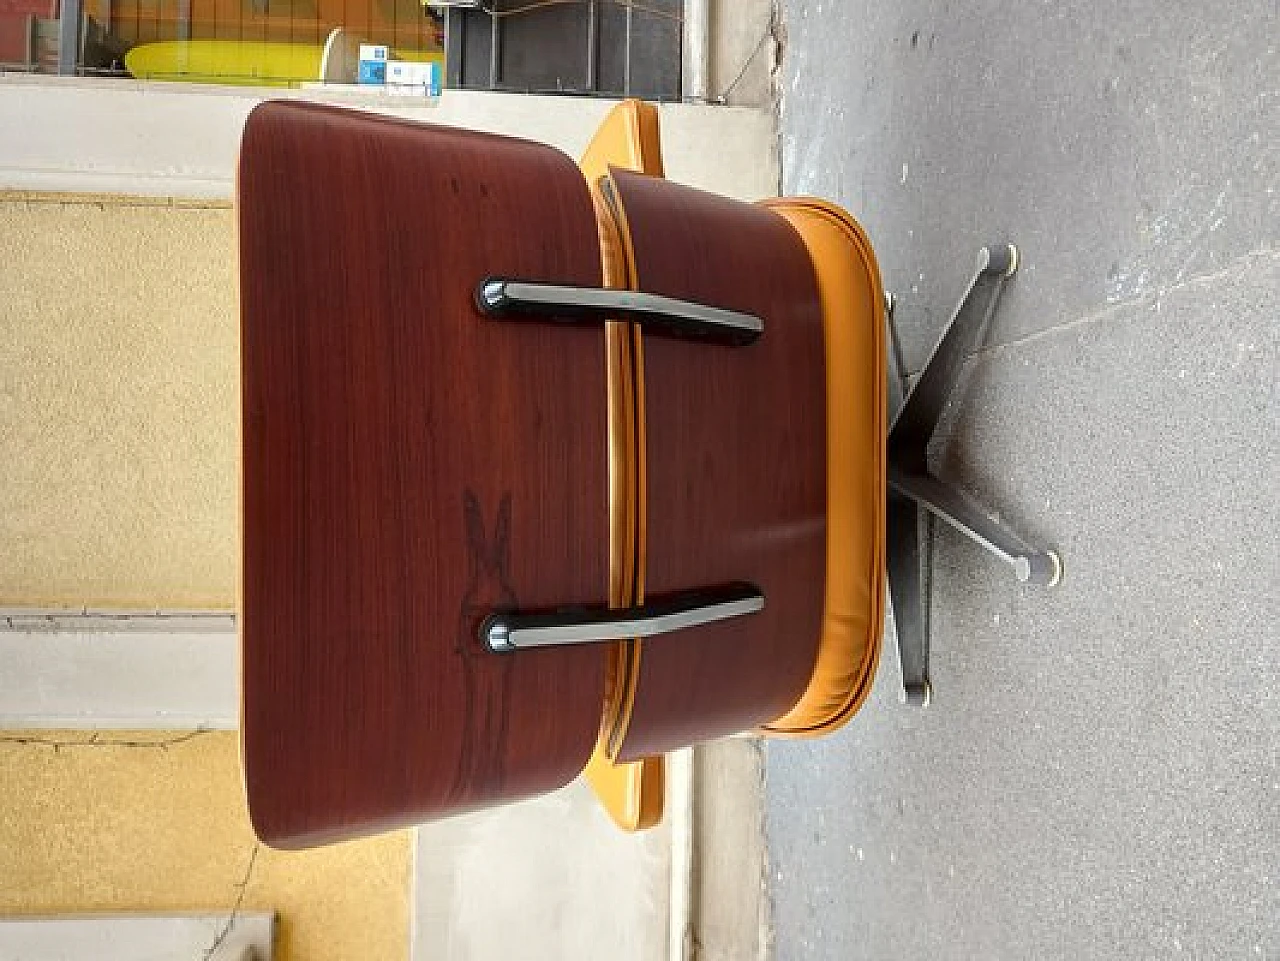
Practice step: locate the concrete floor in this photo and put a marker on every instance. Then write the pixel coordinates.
(1099, 774)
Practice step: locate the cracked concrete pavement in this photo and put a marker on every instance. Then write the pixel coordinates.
(1099, 775)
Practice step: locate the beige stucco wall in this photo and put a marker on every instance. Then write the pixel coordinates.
(118, 337)
(114, 827)
(118, 403)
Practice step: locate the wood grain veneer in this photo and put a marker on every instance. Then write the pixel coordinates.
(408, 467)
(734, 483)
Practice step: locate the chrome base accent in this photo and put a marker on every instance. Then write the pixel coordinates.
(504, 298)
(505, 633)
(917, 496)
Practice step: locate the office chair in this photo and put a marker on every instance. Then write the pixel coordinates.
(551, 469)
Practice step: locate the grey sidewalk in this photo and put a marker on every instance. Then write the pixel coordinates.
(1099, 775)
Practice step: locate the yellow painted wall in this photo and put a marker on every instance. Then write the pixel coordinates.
(119, 403)
(124, 828)
(119, 373)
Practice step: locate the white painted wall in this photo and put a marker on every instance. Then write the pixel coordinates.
(250, 936)
(181, 140)
(545, 880)
(163, 674)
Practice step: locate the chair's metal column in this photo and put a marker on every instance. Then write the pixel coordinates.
(696, 79)
(69, 27)
(626, 52)
(593, 44)
(455, 45)
(495, 49)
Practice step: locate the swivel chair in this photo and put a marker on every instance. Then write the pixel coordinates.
(550, 469)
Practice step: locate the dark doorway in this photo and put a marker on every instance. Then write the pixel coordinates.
(611, 48)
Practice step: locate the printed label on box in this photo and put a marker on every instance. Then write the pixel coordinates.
(423, 78)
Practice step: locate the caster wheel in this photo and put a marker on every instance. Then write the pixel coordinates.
(999, 260)
(917, 695)
(1056, 577)
(1043, 569)
(1014, 259)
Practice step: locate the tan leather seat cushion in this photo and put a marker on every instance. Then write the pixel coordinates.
(853, 313)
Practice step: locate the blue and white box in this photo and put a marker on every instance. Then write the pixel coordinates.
(414, 77)
(373, 63)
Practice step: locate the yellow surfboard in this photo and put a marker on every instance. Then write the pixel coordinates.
(258, 63)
